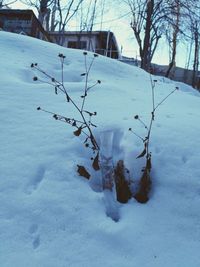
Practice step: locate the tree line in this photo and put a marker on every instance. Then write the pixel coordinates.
(175, 21)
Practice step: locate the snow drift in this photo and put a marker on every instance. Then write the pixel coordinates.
(50, 216)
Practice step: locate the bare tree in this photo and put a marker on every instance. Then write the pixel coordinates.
(172, 33)
(195, 33)
(44, 12)
(151, 19)
(67, 12)
(43, 8)
(147, 24)
(192, 34)
(196, 38)
(182, 12)
(88, 15)
(86, 19)
(55, 14)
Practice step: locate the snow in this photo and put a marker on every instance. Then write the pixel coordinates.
(49, 215)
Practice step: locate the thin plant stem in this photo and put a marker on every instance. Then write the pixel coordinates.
(61, 87)
(152, 91)
(165, 99)
(86, 80)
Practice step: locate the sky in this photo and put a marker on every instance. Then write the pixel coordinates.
(119, 23)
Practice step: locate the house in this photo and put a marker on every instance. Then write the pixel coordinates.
(101, 42)
(23, 22)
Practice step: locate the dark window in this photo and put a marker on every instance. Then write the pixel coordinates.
(72, 44)
(77, 44)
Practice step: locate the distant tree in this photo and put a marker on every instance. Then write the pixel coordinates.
(55, 14)
(172, 32)
(180, 25)
(152, 19)
(148, 19)
(87, 18)
(196, 39)
(44, 9)
(65, 13)
(194, 32)
(86, 14)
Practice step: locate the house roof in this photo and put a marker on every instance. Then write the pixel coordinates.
(80, 32)
(17, 11)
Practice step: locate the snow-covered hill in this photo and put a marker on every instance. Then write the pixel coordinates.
(50, 216)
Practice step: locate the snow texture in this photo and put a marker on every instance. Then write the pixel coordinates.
(50, 216)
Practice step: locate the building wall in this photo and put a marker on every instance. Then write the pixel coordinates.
(102, 43)
(16, 23)
(22, 21)
(107, 45)
(67, 39)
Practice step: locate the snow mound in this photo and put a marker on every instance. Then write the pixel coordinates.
(50, 216)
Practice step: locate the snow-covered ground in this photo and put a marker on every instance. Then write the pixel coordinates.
(52, 217)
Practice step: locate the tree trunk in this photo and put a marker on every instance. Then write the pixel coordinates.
(173, 59)
(146, 53)
(174, 40)
(43, 10)
(196, 57)
(53, 16)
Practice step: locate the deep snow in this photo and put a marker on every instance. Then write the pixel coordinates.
(50, 216)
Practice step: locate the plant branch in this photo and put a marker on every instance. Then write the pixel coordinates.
(60, 86)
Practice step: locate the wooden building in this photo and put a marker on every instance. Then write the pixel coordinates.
(23, 22)
(101, 42)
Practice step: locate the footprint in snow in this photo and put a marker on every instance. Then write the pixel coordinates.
(158, 125)
(36, 180)
(184, 159)
(169, 116)
(36, 242)
(33, 229)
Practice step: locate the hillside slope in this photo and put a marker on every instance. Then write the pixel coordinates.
(50, 216)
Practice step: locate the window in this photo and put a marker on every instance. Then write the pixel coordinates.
(77, 44)
(72, 44)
